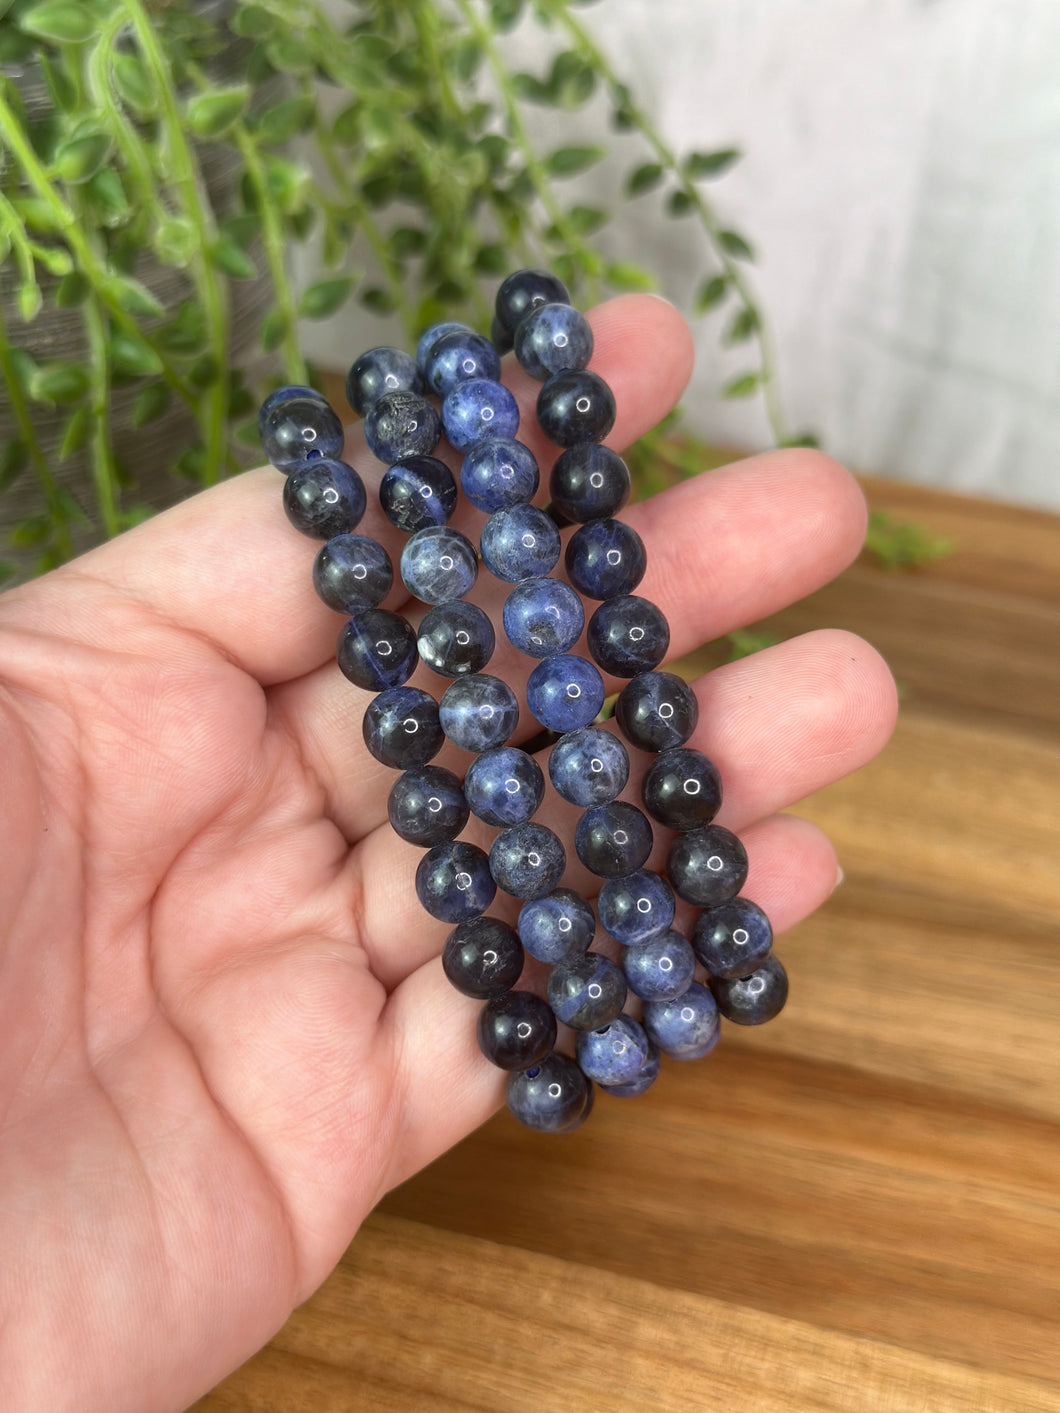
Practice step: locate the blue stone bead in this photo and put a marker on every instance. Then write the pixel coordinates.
(589, 767)
(646, 1077)
(324, 498)
(515, 1030)
(478, 711)
(543, 617)
(636, 907)
(399, 425)
(586, 992)
(682, 789)
(478, 409)
(299, 429)
(455, 639)
(426, 806)
(661, 969)
(290, 392)
(687, 1027)
(352, 572)
(401, 727)
(525, 290)
(553, 338)
(519, 543)
(418, 492)
(558, 927)
(504, 786)
(754, 999)
(733, 939)
(707, 866)
(381, 370)
(454, 883)
(628, 635)
(527, 860)
(439, 564)
(575, 407)
(377, 649)
(613, 840)
(656, 711)
(588, 482)
(565, 692)
(552, 1096)
(499, 472)
(614, 1054)
(605, 559)
(432, 334)
(482, 958)
(500, 338)
(458, 356)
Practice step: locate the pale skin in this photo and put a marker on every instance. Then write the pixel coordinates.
(226, 1030)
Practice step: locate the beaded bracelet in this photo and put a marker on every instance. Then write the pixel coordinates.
(628, 637)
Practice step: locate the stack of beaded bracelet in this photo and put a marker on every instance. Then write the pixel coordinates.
(627, 636)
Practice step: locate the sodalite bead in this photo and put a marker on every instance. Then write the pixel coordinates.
(707, 866)
(525, 290)
(439, 564)
(515, 1030)
(478, 409)
(290, 392)
(500, 338)
(682, 789)
(656, 711)
(646, 1077)
(553, 338)
(733, 939)
(401, 727)
(300, 428)
(589, 767)
(499, 472)
(586, 992)
(519, 543)
(426, 806)
(589, 482)
(543, 617)
(564, 692)
(418, 492)
(552, 1096)
(482, 958)
(478, 711)
(558, 927)
(432, 334)
(377, 649)
(527, 860)
(605, 559)
(456, 638)
(661, 969)
(381, 370)
(324, 498)
(454, 883)
(504, 786)
(575, 407)
(456, 357)
(614, 1054)
(636, 907)
(628, 635)
(687, 1027)
(613, 840)
(754, 999)
(401, 424)
(352, 572)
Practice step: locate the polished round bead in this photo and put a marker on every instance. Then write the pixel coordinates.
(661, 969)
(417, 493)
(519, 543)
(682, 789)
(426, 806)
(586, 992)
(707, 866)
(575, 407)
(605, 559)
(628, 636)
(565, 692)
(732, 939)
(646, 1076)
(290, 392)
(482, 958)
(377, 649)
(352, 573)
(478, 409)
(401, 424)
(500, 338)
(454, 883)
(478, 711)
(613, 840)
(527, 860)
(499, 472)
(401, 727)
(552, 1096)
(525, 290)
(588, 482)
(381, 370)
(458, 356)
(558, 927)
(687, 1027)
(324, 498)
(439, 564)
(754, 999)
(635, 907)
(589, 767)
(543, 617)
(516, 1030)
(614, 1054)
(432, 334)
(456, 638)
(504, 786)
(656, 711)
(553, 338)
(298, 429)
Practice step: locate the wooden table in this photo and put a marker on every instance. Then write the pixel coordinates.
(854, 1208)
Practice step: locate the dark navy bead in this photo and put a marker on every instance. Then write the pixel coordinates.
(527, 860)
(605, 558)
(504, 786)
(588, 482)
(381, 370)
(575, 407)
(499, 472)
(733, 939)
(519, 543)
(426, 806)
(543, 617)
(656, 711)
(399, 425)
(613, 840)
(636, 907)
(500, 338)
(352, 572)
(553, 338)
(401, 727)
(523, 291)
(587, 992)
(454, 883)
(682, 789)
(377, 649)
(614, 1054)
(565, 692)
(661, 969)
(515, 1030)
(557, 927)
(589, 767)
(458, 356)
(707, 866)
(478, 409)
(324, 498)
(455, 639)
(417, 493)
(478, 712)
(754, 999)
(439, 564)
(290, 392)
(482, 958)
(646, 1076)
(432, 334)
(628, 635)
(687, 1027)
(550, 1097)
(297, 427)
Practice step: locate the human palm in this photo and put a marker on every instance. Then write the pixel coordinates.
(226, 1031)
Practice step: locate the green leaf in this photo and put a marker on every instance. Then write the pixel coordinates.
(252, 22)
(623, 117)
(247, 434)
(110, 198)
(186, 333)
(710, 293)
(241, 230)
(61, 21)
(150, 404)
(743, 325)
(76, 433)
(59, 381)
(55, 259)
(405, 241)
(132, 357)
(191, 463)
(80, 158)
(680, 203)
(644, 178)
(204, 372)
(569, 161)
(710, 164)
(491, 259)
(281, 121)
(744, 641)
(572, 80)
(897, 544)
(586, 220)
(285, 183)
(379, 301)
(346, 128)
(133, 84)
(530, 89)
(734, 244)
(32, 532)
(60, 86)
(505, 14)
(743, 386)
(13, 462)
(210, 115)
(273, 329)
(465, 57)
(30, 300)
(228, 256)
(7, 570)
(176, 241)
(623, 275)
(133, 296)
(324, 298)
(810, 439)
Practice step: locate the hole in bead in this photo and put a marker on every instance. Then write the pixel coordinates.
(603, 1030)
(413, 425)
(512, 786)
(534, 1072)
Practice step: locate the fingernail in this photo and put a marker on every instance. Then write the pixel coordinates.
(839, 876)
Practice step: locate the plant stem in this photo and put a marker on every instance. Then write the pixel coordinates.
(104, 474)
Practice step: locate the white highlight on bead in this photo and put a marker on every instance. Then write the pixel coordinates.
(741, 936)
(309, 434)
(618, 1047)
(383, 648)
(756, 985)
(596, 765)
(426, 492)
(360, 571)
(643, 905)
(331, 495)
(691, 787)
(595, 990)
(487, 414)
(665, 964)
(555, 1091)
(687, 1013)
(614, 556)
(489, 957)
(559, 340)
(534, 859)
(564, 924)
(468, 365)
(529, 541)
(524, 1029)
(463, 637)
(621, 837)
(413, 426)
(434, 804)
(390, 379)
(463, 881)
(446, 561)
(715, 863)
(512, 786)
(636, 634)
(573, 690)
(583, 404)
(666, 710)
(596, 480)
(409, 726)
